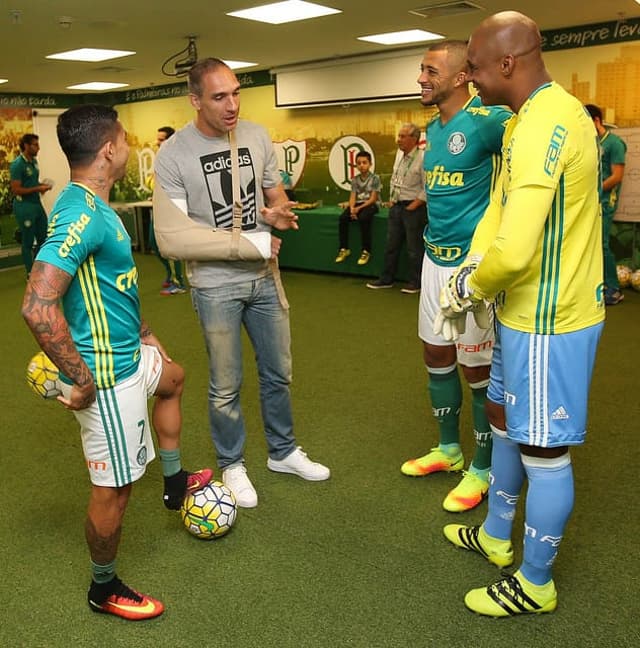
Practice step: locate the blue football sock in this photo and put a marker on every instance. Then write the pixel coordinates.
(549, 505)
(505, 483)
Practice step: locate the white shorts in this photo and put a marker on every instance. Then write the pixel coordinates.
(115, 430)
(475, 345)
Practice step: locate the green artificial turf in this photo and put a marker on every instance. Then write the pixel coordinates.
(357, 561)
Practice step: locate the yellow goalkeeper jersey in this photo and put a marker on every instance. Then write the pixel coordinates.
(541, 236)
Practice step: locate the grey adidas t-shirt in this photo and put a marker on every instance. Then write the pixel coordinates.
(193, 167)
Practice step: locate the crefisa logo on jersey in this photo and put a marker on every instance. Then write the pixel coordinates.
(456, 143)
(292, 157)
(342, 160)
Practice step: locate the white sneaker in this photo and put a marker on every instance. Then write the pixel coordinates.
(297, 463)
(238, 482)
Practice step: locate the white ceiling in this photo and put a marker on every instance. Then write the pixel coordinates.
(156, 30)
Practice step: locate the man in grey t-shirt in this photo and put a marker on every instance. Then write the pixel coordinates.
(194, 169)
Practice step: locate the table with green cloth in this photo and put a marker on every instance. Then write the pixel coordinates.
(315, 245)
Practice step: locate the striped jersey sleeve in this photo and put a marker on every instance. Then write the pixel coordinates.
(87, 239)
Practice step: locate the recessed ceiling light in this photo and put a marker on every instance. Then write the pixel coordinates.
(235, 65)
(395, 38)
(277, 13)
(4, 80)
(97, 85)
(89, 54)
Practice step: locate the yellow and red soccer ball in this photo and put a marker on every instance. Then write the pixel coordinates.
(210, 512)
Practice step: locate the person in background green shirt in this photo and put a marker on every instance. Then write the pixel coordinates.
(612, 154)
(26, 188)
(173, 283)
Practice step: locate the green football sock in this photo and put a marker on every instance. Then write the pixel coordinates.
(481, 430)
(482, 473)
(103, 573)
(170, 461)
(450, 449)
(446, 399)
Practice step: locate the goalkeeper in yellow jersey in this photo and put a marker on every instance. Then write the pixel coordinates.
(537, 254)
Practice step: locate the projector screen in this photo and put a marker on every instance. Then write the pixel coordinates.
(381, 77)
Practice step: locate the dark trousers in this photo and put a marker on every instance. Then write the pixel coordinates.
(365, 220)
(404, 225)
(32, 221)
(609, 266)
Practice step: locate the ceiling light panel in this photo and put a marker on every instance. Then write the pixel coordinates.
(89, 54)
(396, 38)
(97, 85)
(277, 13)
(236, 65)
(440, 9)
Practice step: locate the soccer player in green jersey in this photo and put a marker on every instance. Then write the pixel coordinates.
(82, 306)
(461, 162)
(537, 253)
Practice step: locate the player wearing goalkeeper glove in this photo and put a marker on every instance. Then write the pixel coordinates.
(540, 243)
(461, 161)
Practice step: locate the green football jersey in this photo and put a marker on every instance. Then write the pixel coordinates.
(28, 173)
(462, 163)
(613, 150)
(87, 239)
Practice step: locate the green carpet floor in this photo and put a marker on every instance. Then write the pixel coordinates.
(357, 561)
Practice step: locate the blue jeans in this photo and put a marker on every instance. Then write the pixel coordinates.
(222, 312)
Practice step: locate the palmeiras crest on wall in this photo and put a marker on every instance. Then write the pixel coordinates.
(342, 159)
(292, 156)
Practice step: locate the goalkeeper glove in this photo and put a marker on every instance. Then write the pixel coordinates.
(450, 327)
(456, 296)
(456, 299)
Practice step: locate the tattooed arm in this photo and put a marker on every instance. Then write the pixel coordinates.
(43, 314)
